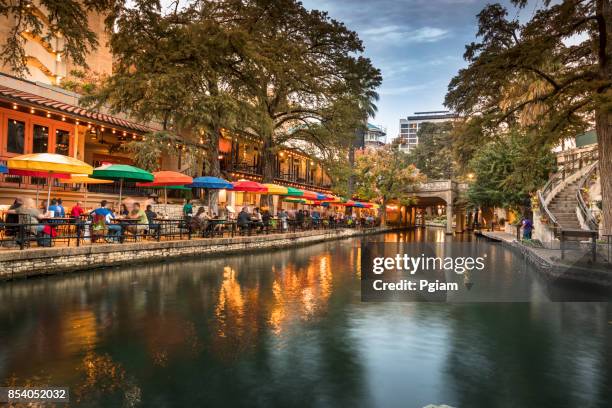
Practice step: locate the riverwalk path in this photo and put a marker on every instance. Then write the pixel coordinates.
(576, 264)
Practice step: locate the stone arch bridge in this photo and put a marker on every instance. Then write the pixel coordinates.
(440, 192)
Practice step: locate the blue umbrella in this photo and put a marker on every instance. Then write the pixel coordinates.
(211, 183)
(3, 169)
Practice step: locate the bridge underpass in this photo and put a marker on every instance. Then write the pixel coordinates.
(440, 192)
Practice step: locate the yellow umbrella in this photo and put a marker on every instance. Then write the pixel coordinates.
(276, 189)
(49, 163)
(84, 179)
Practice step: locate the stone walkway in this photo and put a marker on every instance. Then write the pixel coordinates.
(576, 264)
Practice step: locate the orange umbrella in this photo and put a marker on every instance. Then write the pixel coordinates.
(309, 195)
(167, 179)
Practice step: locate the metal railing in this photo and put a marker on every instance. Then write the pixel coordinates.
(587, 215)
(79, 232)
(571, 164)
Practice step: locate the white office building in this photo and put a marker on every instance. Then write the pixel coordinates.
(409, 127)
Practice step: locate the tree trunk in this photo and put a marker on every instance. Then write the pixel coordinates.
(603, 119)
(268, 157)
(214, 167)
(604, 139)
(350, 190)
(383, 214)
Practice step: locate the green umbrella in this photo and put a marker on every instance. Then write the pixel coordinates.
(294, 192)
(121, 173)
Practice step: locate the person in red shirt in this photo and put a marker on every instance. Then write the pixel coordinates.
(77, 210)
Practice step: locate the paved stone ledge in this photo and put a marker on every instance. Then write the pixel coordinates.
(549, 267)
(45, 261)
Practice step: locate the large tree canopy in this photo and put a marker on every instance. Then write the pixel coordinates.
(551, 75)
(263, 69)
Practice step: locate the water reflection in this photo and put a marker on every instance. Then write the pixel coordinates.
(288, 329)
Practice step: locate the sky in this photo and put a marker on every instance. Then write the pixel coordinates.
(417, 44)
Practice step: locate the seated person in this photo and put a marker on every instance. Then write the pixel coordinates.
(28, 214)
(77, 210)
(244, 219)
(257, 219)
(104, 213)
(142, 222)
(152, 216)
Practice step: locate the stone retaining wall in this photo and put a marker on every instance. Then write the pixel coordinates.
(44, 261)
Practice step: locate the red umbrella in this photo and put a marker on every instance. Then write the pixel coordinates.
(40, 174)
(249, 186)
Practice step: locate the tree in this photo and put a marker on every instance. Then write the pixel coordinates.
(67, 19)
(300, 69)
(551, 75)
(176, 69)
(507, 171)
(384, 175)
(433, 155)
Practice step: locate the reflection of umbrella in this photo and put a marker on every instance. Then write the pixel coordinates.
(121, 173)
(49, 164)
(249, 186)
(214, 183)
(167, 179)
(84, 179)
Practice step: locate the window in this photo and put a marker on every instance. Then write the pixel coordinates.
(16, 137)
(40, 142)
(62, 142)
(404, 126)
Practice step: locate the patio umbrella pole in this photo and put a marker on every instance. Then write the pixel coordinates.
(120, 191)
(49, 192)
(166, 200)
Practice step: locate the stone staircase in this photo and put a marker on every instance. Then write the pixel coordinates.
(563, 206)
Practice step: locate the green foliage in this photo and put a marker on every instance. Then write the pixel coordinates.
(62, 18)
(550, 75)
(433, 155)
(508, 170)
(384, 175)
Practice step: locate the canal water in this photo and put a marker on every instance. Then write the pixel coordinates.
(288, 329)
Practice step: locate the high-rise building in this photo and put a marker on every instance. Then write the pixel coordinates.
(409, 127)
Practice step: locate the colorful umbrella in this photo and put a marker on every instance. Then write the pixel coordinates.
(49, 164)
(276, 189)
(294, 192)
(249, 186)
(121, 173)
(167, 179)
(214, 183)
(294, 200)
(39, 174)
(84, 179)
(3, 169)
(309, 195)
(321, 196)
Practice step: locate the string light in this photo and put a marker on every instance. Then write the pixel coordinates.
(63, 118)
(48, 114)
(32, 110)
(14, 106)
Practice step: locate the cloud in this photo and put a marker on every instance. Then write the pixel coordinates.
(399, 34)
(400, 90)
